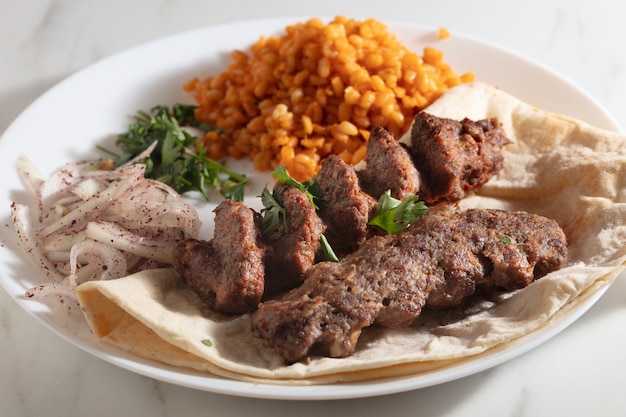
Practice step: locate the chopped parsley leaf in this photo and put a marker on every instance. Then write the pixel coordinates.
(393, 215)
(176, 160)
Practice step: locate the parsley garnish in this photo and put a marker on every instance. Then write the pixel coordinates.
(393, 215)
(506, 240)
(207, 342)
(177, 160)
(310, 188)
(273, 211)
(326, 252)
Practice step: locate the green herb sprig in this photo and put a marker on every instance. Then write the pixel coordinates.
(326, 252)
(393, 215)
(273, 211)
(176, 159)
(310, 188)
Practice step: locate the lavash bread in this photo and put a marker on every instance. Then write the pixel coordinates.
(556, 166)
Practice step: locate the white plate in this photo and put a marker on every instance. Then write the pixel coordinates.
(94, 105)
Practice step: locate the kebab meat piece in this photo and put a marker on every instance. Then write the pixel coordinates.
(227, 272)
(454, 157)
(436, 262)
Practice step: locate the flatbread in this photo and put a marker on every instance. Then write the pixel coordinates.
(556, 166)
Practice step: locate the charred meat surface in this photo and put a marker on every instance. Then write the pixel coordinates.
(455, 157)
(505, 249)
(388, 167)
(383, 280)
(227, 272)
(291, 248)
(345, 208)
(389, 279)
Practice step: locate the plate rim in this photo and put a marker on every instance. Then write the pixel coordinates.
(173, 375)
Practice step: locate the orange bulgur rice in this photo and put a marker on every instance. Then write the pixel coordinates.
(315, 91)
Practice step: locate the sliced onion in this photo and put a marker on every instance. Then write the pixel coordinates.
(88, 188)
(92, 208)
(143, 155)
(29, 175)
(30, 242)
(98, 224)
(123, 239)
(106, 261)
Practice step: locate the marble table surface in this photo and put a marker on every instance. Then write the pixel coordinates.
(580, 372)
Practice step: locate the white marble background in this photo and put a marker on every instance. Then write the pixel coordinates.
(581, 372)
